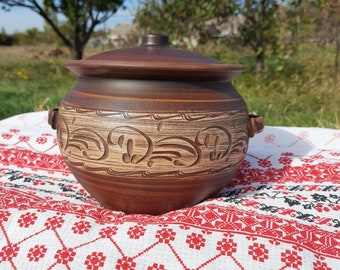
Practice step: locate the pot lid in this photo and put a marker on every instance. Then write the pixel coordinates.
(154, 59)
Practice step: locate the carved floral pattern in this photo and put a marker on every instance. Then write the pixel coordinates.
(122, 143)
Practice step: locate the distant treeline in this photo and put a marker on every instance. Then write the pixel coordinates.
(8, 40)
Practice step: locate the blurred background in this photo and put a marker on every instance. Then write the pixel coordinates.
(289, 49)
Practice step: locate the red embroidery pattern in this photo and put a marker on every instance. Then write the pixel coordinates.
(36, 253)
(281, 211)
(195, 241)
(37, 161)
(95, 260)
(258, 252)
(136, 232)
(291, 259)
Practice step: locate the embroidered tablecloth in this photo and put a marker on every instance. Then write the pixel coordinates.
(281, 211)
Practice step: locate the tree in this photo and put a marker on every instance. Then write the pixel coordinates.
(82, 15)
(257, 29)
(320, 22)
(182, 20)
(328, 27)
(7, 40)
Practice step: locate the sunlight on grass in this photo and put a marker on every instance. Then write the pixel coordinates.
(32, 85)
(302, 94)
(296, 91)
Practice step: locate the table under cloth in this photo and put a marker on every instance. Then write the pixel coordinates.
(281, 211)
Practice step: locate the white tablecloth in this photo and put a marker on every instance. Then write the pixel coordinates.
(281, 211)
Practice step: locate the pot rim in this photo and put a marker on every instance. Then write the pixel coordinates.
(156, 70)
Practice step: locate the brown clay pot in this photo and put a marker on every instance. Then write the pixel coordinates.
(152, 129)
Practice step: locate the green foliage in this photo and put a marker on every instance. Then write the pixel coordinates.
(299, 83)
(32, 85)
(82, 16)
(6, 39)
(31, 36)
(182, 19)
(198, 19)
(302, 93)
(259, 16)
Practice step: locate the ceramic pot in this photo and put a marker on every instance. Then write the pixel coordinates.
(153, 128)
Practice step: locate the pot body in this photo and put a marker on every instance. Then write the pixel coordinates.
(148, 146)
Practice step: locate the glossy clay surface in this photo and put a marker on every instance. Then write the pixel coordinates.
(152, 129)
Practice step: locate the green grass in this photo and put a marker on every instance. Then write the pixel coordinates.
(32, 85)
(303, 93)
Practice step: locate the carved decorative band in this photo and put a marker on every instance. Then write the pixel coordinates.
(149, 144)
(156, 116)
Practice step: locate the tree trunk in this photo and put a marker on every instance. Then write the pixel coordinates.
(259, 37)
(336, 60)
(260, 60)
(77, 52)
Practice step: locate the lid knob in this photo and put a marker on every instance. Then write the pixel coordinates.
(155, 40)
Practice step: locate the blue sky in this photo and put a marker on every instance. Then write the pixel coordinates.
(21, 19)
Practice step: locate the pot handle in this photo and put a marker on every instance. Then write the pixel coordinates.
(52, 118)
(255, 125)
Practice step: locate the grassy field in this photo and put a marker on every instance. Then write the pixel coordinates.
(30, 80)
(302, 93)
(295, 91)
